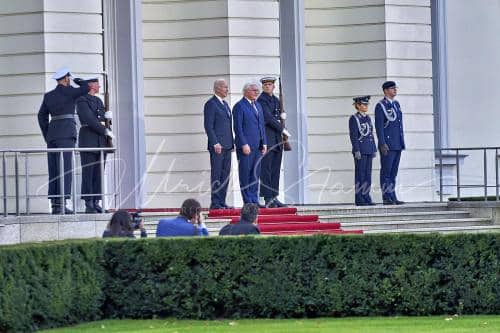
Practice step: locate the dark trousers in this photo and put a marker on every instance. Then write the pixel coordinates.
(388, 172)
(270, 173)
(91, 175)
(219, 176)
(53, 160)
(249, 172)
(363, 179)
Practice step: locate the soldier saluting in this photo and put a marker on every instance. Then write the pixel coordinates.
(363, 150)
(93, 133)
(60, 132)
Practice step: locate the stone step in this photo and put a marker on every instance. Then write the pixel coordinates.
(369, 210)
(415, 224)
(397, 216)
(446, 230)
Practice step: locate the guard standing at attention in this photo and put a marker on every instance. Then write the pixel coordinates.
(389, 125)
(271, 162)
(60, 132)
(363, 150)
(92, 134)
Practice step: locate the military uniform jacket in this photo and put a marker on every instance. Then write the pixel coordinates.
(59, 102)
(271, 106)
(361, 134)
(90, 110)
(389, 124)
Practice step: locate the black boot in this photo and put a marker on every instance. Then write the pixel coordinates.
(89, 207)
(97, 207)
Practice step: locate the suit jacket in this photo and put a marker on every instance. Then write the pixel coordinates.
(271, 107)
(218, 124)
(389, 132)
(90, 110)
(240, 228)
(178, 226)
(364, 144)
(58, 102)
(248, 127)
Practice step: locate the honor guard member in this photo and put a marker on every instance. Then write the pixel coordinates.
(389, 125)
(271, 162)
(60, 132)
(217, 120)
(92, 134)
(363, 150)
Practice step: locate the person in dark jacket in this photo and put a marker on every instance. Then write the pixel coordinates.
(363, 150)
(92, 134)
(247, 223)
(219, 128)
(271, 162)
(121, 225)
(60, 132)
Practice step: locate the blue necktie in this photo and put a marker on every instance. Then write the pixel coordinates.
(228, 110)
(255, 109)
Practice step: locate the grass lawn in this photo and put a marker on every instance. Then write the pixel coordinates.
(451, 324)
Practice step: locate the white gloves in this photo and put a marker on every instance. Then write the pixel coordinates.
(285, 131)
(283, 115)
(108, 115)
(109, 133)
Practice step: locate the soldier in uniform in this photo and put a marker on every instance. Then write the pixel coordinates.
(92, 134)
(271, 162)
(60, 132)
(389, 125)
(363, 150)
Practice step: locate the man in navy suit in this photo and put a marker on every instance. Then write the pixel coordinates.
(389, 125)
(218, 126)
(251, 142)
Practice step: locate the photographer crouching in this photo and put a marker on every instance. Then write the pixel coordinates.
(123, 224)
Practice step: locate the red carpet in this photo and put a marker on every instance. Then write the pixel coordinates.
(284, 221)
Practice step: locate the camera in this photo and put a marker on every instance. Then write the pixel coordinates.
(136, 219)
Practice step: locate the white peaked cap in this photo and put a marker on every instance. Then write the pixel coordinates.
(61, 72)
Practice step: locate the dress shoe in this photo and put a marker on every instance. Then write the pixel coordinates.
(399, 202)
(97, 207)
(56, 210)
(371, 204)
(216, 207)
(361, 204)
(89, 207)
(227, 207)
(269, 203)
(388, 202)
(279, 204)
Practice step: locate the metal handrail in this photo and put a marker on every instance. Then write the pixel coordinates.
(29, 151)
(458, 184)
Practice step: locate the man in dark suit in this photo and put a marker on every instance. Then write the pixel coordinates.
(251, 142)
(271, 162)
(218, 126)
(60, 132)
(389, 125)
(92, 134)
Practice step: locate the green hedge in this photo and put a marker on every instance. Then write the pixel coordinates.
(251, 277)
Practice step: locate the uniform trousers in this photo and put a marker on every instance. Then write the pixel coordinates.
(388, 172)
(91, 175)
(363, 178)
(270, 173)
(54, 162)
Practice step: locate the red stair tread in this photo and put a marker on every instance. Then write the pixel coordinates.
(313, 232)
(262, 211)
(297, 227)
(287, 218)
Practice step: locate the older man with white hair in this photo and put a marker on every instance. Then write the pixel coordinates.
(218, 126)
(251, 143)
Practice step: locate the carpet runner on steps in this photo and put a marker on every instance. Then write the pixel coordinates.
(284, 221)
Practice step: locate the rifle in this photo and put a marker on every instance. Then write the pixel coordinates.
(286, 143)
(107, 122)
